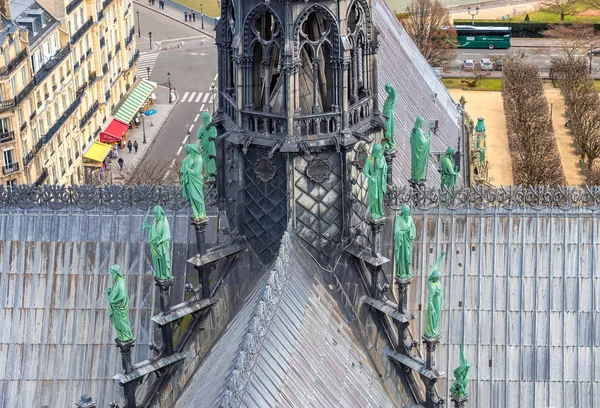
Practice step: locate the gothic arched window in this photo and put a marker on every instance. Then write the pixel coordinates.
(358, 37)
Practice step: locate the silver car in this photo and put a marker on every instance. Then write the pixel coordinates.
(468, 64)
(486, 64)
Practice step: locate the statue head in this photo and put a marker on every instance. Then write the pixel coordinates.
(377, 150)
(450, 150)
(115, 271)
(206, 118)
(405, 210)
(192, 149)
(434, 276)
(388, 87)
(159, 213)
(419, 122)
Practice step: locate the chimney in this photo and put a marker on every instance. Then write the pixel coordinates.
(5, 8)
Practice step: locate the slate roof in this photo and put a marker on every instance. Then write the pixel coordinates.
(400, 63)
(521, 292)
(306, 355)
(56, 341)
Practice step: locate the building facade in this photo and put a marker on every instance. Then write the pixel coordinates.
(66, 66)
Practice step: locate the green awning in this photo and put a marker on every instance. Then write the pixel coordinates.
(135, 100)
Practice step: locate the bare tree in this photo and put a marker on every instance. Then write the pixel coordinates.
(562, 7)
(574, 39)
(535, 158)
(148, 172)
(428, 24)
(595, 4)
(473, 78)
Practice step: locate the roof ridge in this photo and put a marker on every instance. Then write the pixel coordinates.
(257, 328)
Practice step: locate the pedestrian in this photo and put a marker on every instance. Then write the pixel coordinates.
(121, 162)
(135, 146)
(194, 16)
(185, 16)
(153, 2)
(129, 146)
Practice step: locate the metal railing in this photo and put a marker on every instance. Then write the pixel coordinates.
(20, 57)
(67, 113)
(73, 5)
(107, 95)
(88, 115)
(106, 3)
(43, 176)
(7, 137)
(117, 48)
(136, 56)
(102, 42)
(10, 168)
(31, 155)
(33, 115)
(100, 15)
(81, 89)
(23, 126)
(129, 38)
(76, 66)
(82, 30)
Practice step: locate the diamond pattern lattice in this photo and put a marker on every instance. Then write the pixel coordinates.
(319, 220)
(360, 207)
(265, 205)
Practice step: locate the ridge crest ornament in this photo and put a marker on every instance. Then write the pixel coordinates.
(265, 170)
(318, 170)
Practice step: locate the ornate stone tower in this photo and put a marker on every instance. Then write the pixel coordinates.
(297, 100)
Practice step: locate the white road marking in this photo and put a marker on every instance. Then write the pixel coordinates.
(192, 97)
(211, 98)
(206, 97)
(184, 96)
(198, 97)
(196, 118)
(180, 39)
(185, 139)
(202, 108)
(190, 129)
(167, 174)
(179, 151)
(216, 76)
(172, 163)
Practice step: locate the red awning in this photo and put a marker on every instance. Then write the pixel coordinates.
(114, 132)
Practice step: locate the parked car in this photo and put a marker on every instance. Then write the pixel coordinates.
(498, 65)
(468, 64)
(486, 64)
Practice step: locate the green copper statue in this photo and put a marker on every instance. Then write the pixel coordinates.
(118, 305)
(434, 300)
(192, 180)
(461, 373)
(404, 235)
(449, 170)
(419, 145)
(159, 238)
(388, 112)
(376, 172)
(207, 136)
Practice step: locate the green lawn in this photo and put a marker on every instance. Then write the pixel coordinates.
(544, 16)
(488, 84)
(209, 7)
(597, 82)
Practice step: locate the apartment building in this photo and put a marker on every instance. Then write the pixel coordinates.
(66, 66)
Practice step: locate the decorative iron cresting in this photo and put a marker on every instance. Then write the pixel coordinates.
(535, 198)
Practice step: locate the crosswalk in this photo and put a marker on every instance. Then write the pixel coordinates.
(196, 97)
(147, 60)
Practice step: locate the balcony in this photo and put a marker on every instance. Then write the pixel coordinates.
(42, 177)
(76, 66)
(107, 95)
(81, 89)
(88, 115)
(31, 155)
(136, 56)
(106, 3)
(104, 69)
(10, 168)
(265, 123)
(88, 52)
(49, 66)
(61, 121)
(117, 48)
(110, 56)
(70, 162)
(33, 115)
(54, 87)
(102, 42)
(7, 137)
(82, 30)
(76, 155)
(92, 77)
(100, 15)
(16, 61)
(82, 59)
(129, 38)
(73, 5)
(6, 105)
(25, 92)
(23, 126)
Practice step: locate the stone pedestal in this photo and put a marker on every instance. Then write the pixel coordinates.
(200, 227)
(164, 286)
(430, 345)
(459, 402)
(126, 354)
(402, 286)
(376, 227)
(86, 402)
(389, 159)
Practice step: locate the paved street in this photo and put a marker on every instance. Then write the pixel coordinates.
(191, 58)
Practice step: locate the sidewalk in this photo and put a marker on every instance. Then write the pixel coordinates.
(176, 12)
(153, 124)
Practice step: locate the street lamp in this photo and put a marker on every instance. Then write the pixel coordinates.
(139, 27)
(473, 14)
(148, 71)
(551, 105)
(143, 124)
(169, 76)
(201, 16)
(212, 90)
(150, 36)
(591, 54)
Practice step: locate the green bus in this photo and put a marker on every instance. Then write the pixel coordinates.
(482, 37)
